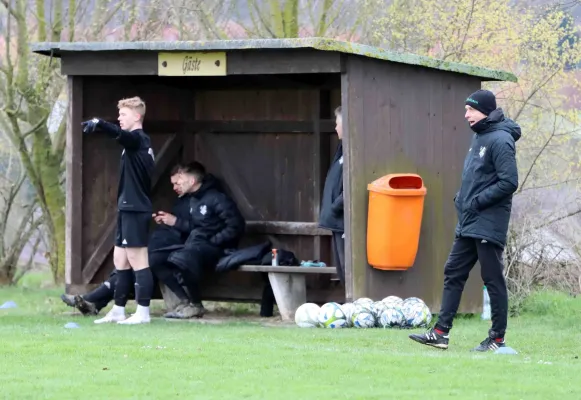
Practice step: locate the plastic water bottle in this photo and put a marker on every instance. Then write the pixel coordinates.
(486, 315)
(274, 258)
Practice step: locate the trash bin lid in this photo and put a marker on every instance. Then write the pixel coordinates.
(399, 185)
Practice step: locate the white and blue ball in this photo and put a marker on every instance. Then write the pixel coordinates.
(363, 300)
(391, 317)
(416, 313)
(393, 301)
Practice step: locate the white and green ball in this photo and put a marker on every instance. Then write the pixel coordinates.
(331, 316)
(348, 309)
(391, 317)
(307, 315)
(363, 317)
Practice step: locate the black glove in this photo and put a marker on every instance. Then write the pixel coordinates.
(90, 125)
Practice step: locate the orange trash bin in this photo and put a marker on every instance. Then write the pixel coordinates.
(394, 219)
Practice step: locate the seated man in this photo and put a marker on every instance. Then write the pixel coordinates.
(163, 236)
(215, 224)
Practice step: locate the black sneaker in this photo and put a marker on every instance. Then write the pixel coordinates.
(85, 307)
(68, 299)
(432, 338)
(490, 344)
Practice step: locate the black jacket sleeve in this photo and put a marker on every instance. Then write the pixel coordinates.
(181, 211)
(504, 159)
(183, 225)
(129, 140)
(234, 223)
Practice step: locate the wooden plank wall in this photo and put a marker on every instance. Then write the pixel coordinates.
(271, 175)
(403, 119)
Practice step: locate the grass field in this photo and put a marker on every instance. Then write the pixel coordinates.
(40, 359)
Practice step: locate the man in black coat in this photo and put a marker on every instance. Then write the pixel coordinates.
(331, 215)
(214, 223)
(483, 205)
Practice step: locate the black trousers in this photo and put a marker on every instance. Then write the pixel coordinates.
(102, 295)
(191, 264)
(465, 252)
(339, 246)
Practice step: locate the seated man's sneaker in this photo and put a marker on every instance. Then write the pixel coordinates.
(174, 313)
(192, 311)
(493, 342)
(68, 299)
(432, 338)
(116, 314)
(85, 307)
(141, 316)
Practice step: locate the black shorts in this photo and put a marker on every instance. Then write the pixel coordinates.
(132, 229)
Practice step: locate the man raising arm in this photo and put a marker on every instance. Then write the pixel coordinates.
(134, 210)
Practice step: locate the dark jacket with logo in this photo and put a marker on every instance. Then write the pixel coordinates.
(215, 224)
(214, 217)
(331, 216)
(489, 179)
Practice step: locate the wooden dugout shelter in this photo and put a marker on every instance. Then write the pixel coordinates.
(259, 115)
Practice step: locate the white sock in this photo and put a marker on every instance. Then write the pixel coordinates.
(142, 311)
(118, 310)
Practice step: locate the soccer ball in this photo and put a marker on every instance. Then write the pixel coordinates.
(416, 313)
(363, 316)
(390, 317)
(412, 300)
(363, 306)
(393, 301)
(363, 300)
(307, 315)
(348, 309)
(331, 316)
(377, 308)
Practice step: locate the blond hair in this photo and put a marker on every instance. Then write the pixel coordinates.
(133, 103)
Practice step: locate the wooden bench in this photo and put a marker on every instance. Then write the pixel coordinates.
(288, 285)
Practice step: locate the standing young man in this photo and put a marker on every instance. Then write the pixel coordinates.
(331, 216)
(483, 205)
(134, 210)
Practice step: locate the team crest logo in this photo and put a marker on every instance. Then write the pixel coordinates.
(203, 210)
(482, 151)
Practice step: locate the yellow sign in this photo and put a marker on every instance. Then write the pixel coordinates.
(191, 64)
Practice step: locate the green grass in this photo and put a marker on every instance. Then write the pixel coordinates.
(40, 359)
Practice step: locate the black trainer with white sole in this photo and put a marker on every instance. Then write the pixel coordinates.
(432, 338)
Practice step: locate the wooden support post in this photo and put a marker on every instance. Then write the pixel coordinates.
(74, 184)
(290, 292)
(317, 170)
